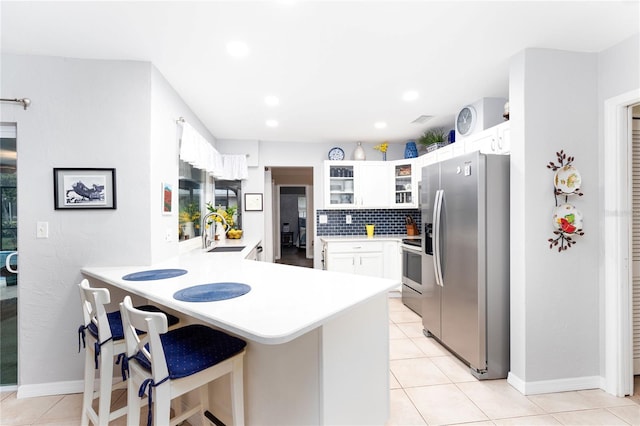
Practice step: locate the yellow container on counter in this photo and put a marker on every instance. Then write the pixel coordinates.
(370, 229)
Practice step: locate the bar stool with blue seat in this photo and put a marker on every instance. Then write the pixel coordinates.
(106, 341)
(166, 364)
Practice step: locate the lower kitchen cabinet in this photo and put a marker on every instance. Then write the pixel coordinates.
(356, 257)
(369, 264)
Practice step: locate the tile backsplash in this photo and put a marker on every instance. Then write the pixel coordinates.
(387, 221)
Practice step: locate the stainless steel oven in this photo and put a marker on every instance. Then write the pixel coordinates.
(412, 274)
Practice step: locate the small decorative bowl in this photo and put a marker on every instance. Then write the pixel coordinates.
(234, 234)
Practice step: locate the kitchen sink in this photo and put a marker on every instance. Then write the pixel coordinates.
(222, 249)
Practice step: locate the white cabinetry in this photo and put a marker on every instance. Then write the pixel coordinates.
(393, 261)
(356, 257)
(373, 184)
(405, 183)
(356, 184)
(255, 253)
(370, 184)
(504, 138)
(339, 184)
(495, 140)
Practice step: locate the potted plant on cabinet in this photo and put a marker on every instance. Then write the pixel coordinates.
(433, 139)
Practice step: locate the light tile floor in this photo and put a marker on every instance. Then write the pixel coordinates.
(428, 387)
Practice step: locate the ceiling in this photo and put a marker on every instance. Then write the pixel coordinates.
(336, 67)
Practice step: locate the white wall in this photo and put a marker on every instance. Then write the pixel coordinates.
(281, 154)
(84, 113)
(166, 107)
(555, 296)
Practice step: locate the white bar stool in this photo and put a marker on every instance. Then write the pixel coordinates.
(167, 364)
(106, 340)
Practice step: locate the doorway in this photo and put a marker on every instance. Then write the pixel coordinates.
(293, 204)
(8, 256)
(635, 244)
(617, 205)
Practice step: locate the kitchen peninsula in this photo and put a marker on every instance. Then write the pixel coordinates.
(317, 341)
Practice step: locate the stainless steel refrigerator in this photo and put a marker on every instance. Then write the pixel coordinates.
(465, 267)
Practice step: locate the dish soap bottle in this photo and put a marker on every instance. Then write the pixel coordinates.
(220, 234)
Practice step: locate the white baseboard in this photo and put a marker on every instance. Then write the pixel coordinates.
(54, 388)
(558, 385)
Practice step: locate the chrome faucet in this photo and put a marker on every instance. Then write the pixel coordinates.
(205, 237)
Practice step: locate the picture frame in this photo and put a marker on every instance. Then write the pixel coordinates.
(253, 202)
(167, 198)
(84, 188)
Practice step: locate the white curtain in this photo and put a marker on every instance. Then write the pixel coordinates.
(197, 151)
(235, 167)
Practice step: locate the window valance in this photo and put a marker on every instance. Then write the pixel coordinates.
(197, 151)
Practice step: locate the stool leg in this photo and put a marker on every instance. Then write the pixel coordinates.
(133, 403)
(89, 379)
(237, 391)
(203, 391)
(106, 383)
(162, 405)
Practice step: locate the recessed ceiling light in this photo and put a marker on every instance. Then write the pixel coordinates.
(237, 49)
(272, 101)
(410, 95)
(272, 123)
(380, 125)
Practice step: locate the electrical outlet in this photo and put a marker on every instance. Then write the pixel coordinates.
(323, 218)
(348, 219)
(42, 230)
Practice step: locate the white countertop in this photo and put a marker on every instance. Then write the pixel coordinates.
(284, 302)
(344, 238)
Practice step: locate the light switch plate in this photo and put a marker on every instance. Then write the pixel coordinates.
(348, 219)
(42, 230)
(323, 218)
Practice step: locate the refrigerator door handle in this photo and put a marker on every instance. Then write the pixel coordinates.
(437, 255)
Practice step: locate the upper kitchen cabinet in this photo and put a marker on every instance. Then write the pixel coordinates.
(356, 184)
(339, 184)
(405, 181)
(494, 140)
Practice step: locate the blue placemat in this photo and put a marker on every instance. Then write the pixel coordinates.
(154, 274)
(211, 292)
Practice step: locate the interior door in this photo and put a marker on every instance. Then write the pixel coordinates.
(635, 235)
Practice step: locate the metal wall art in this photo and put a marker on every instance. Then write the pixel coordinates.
(567, 219)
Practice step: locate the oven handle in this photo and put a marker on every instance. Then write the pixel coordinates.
(410, 248)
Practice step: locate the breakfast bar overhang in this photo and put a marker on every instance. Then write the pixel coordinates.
(317, 341)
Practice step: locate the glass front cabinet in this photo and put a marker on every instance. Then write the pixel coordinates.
(340, 189)
(405, 185)
(370, 184)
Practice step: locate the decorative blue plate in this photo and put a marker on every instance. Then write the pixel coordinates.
(154, 274)
(211, 292)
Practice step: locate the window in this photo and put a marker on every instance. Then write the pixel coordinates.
(228, 194)
(191, 200)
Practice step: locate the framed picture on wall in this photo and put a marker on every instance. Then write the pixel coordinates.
(167, 197)
(253, 202)
(84, 188)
